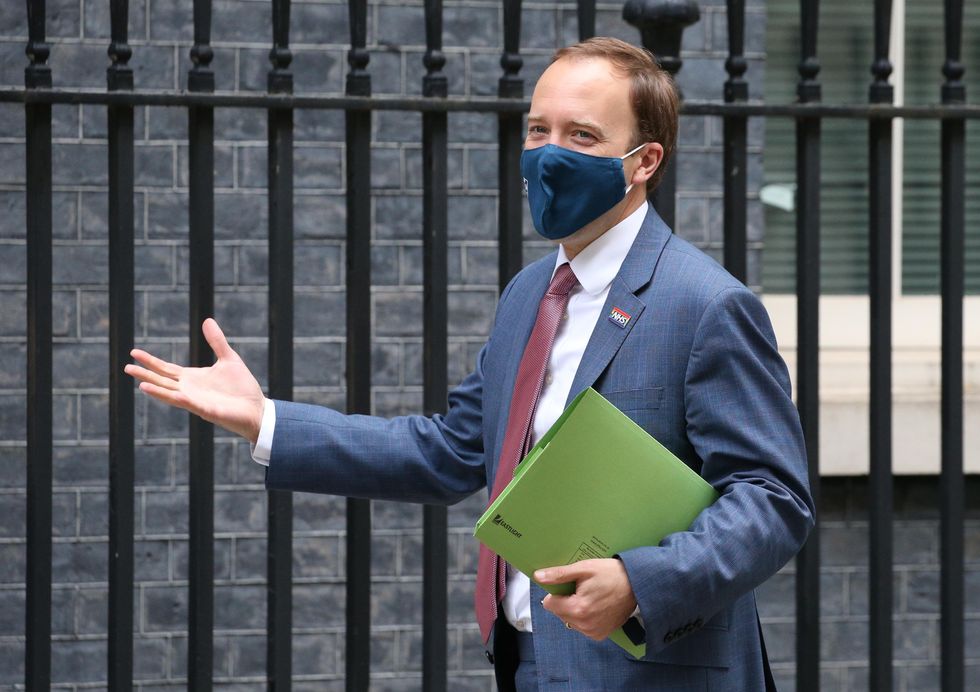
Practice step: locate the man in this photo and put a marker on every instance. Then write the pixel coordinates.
(626, 307)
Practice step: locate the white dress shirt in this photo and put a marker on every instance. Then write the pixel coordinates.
(595, 267)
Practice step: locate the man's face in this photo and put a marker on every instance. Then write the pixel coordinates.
(584, 105)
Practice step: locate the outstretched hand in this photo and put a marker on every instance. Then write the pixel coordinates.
(226, 393)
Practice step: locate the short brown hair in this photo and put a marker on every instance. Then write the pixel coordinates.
(652, 92)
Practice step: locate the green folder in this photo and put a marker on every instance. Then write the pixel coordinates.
(595, 485)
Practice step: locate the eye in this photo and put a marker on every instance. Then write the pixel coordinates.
(537, 130)
(583, 135)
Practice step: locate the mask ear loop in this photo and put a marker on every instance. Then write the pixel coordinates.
(626, 156)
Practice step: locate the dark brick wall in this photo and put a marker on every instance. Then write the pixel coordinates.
(160, 32)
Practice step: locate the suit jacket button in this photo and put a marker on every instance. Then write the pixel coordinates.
(489, 657)
(669, 637)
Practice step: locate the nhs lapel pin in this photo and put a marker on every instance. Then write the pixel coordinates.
(619, 318)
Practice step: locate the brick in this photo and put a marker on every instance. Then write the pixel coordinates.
(80, 264)
(325, 313)
(150, 659)
(167, 216)
(93, 514)
(395, 603)
(80, 466)
(410, 265)
(234, 607)
(400, 26)
(63, 514)
(13, 319)
(396, 126)
(165, 512)
(317, 654)
(224, 266)
(239, 510)
(397, 314)
(461, 600)
(78, 661)
(387, 71)
(12, 562)
(223, 165)
(383, 654)
(386, 167)
(12, 459)
(318, 512)
(471, 312)
(96, 22)
(317, 264)
(151, 560)
(318, 125)
(316, 556)
(915, 639)
(222, 559)
(12, 157)
(152, 464)
(413, 168)
(318, 605)
(472, 218)
(319, 24)
(73, 563)
(92, 607)
(11, 613)
(916, 543)
(240, 124)
(400, 403)
(242, 313)
(164, 608)
(237, 21)
(399, 217)
(386, 364)
(319, 217)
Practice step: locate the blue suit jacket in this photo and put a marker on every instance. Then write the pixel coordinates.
(697, 367)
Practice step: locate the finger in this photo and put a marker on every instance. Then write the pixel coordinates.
(216, 339)
(144, 375)
(564, 573)
(167, 396)
(151, 362)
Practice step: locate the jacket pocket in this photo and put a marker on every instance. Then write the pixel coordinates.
(648, 398)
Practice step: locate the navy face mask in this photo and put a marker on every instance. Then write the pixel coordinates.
(568, 189)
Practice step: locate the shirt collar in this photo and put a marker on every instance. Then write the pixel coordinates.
(598, 263)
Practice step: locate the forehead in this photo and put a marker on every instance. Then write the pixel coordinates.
(583, 89)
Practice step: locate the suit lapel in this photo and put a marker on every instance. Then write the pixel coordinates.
(636, 272)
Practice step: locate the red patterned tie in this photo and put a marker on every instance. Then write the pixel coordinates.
(491, 580)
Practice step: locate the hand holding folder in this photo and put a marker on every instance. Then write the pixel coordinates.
(596, 484)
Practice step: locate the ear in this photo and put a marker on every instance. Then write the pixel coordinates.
(648, 161)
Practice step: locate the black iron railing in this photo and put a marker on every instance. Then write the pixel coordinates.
(661, 25)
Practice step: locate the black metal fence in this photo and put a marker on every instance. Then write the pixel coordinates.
(661, 25)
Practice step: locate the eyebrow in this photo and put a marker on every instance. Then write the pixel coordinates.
(586, 124)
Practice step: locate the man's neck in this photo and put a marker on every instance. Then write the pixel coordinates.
(584, 237)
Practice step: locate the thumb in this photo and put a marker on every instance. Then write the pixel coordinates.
(216, 340)
(560, 575)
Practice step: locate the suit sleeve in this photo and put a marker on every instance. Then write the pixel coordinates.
(437, 460)
(743, 425)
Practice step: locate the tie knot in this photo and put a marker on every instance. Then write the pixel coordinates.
(563, 282)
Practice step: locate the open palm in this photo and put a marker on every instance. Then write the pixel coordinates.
(225, 393)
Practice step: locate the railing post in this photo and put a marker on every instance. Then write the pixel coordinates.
(279, 603)
(37, 75)
(435, 352)
(808, 344)
(358, 129)
(585, 11)
(119, 76)
(661, 24)
(735, 145)
(200, 602)
(880, 401)
(510, 203)
(952, 250)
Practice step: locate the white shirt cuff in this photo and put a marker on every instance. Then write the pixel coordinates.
(262, 449)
